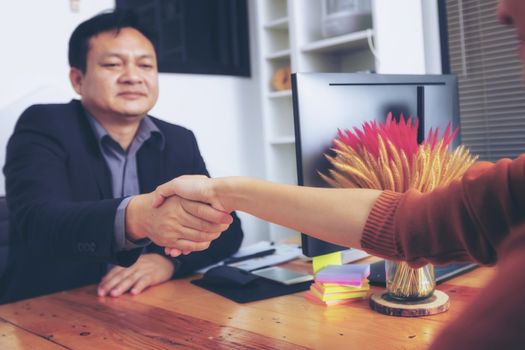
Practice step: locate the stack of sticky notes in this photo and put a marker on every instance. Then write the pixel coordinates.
(338, 284)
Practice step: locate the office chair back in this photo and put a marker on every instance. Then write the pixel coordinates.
(4, 234)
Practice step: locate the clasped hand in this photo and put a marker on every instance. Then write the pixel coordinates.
(170, 220)
(197, 192)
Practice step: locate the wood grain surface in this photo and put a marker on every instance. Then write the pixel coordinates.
(178, 315)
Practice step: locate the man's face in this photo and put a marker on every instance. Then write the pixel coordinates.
(512, 12)
(121, 79)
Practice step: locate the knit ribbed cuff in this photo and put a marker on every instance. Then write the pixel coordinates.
(379, 233)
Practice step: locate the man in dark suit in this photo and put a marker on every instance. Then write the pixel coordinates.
(79, 178)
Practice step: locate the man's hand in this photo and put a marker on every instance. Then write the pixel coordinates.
(197, 188)
(148, 270)
(179, 223)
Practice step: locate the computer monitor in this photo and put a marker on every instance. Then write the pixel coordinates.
(326, 102)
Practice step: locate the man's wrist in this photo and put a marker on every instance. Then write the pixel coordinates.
(123, 242)
(135, 228)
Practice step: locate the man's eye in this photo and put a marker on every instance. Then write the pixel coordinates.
(110, 64)
(146, 65)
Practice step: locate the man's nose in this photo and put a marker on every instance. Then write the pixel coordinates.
(131, 74)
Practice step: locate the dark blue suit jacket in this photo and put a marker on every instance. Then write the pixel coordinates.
(59, 195)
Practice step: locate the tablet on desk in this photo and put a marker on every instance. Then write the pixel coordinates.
(283, 275)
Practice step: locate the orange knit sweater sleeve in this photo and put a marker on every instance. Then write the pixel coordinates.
(482, 218)
(466, 220)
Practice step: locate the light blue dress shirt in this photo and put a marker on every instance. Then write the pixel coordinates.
(122, 165)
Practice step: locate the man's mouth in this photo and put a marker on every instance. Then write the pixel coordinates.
(131, 94)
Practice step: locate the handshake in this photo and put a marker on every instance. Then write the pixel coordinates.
(182, 215)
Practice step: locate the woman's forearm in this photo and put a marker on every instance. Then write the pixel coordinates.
(334, 215)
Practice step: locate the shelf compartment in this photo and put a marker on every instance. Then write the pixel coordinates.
(276, 40)
(274, 9)
(282, 163)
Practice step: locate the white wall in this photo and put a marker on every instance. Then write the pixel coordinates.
(407, 36)
(34, 35)
(223, 111)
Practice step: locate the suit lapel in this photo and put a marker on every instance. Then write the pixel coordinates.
(150, 166)
(95, 160)
(101, 174)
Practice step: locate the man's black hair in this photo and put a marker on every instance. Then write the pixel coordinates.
(115, 20)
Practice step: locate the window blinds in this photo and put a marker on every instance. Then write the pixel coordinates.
(483, 55)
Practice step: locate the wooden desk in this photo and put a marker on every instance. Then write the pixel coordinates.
(178, 314)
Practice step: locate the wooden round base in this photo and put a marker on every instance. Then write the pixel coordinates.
(435, 304)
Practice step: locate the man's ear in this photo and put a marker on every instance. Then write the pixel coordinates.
(76, 78)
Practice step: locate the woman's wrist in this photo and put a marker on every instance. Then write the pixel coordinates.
(228, 191)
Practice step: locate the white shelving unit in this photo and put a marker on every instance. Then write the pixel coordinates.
(289, 35)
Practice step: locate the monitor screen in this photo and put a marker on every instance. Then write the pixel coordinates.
(326, 102)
